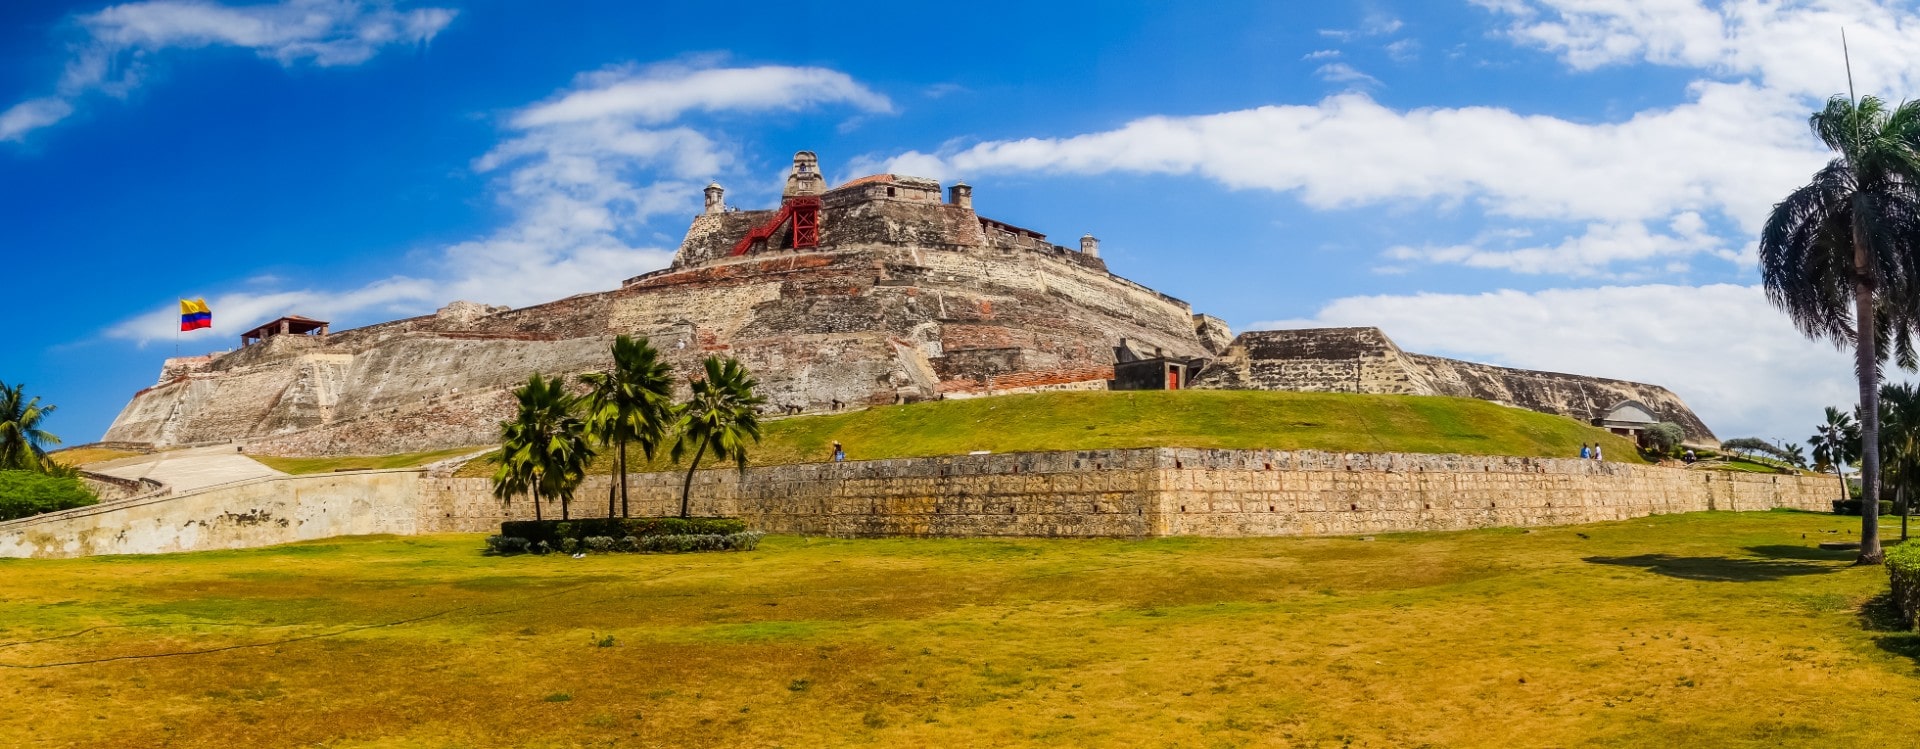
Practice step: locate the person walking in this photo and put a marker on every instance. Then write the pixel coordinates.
(1584, 452)
(1596, 451)
(839, 455)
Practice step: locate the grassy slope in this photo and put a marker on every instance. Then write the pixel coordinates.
(1195, 418)
(358, 462)
(1700, 630)
(81, 456)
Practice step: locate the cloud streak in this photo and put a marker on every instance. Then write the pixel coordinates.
(121, 40)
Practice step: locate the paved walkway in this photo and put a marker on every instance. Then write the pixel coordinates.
(186, 470)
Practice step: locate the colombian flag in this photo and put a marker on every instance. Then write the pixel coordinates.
(195, 315)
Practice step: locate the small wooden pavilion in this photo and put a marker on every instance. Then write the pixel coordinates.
(289, 325)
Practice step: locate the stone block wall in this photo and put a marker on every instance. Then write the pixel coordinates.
(237, 516)
(1167, 492)
(1095, 493)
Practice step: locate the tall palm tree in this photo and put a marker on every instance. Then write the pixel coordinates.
(718, 419)
(22, 441)
(1900, 444)
(1838, 255)
(1835, 444)
(630, 403)
(544, 449)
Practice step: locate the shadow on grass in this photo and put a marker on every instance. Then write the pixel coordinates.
(1719, 569)
(1879, 614)
(1808, 553)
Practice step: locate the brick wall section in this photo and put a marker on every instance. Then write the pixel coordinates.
(1167, 492)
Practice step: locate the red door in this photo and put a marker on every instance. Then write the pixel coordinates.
(1173, 377)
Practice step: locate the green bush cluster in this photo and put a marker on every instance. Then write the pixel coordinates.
(666, 543)
(554, 532)
(26, 493)
(1903, 569)
(1852, 507)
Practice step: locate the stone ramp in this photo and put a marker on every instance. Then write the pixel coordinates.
(190, 469)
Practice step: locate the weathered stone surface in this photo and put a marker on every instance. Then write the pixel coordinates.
(1095, 493)
(1364, 360)
(907, 298)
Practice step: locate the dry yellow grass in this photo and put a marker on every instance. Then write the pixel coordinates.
(82, 456)
(299, 466)
(1706, 630)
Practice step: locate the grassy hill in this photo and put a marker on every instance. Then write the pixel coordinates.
(1241, 419)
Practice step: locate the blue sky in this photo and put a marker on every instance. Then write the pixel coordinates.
(1541, 183)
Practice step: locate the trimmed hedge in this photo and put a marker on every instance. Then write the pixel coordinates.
(1852, 507)
(672, 543)
(28, 493)
(1903, 570)
(553, 532)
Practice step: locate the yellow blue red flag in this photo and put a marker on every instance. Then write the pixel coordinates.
(195, 315)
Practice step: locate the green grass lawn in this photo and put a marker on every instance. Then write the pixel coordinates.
(1192, 418)
(1702, 630)
(358, 462)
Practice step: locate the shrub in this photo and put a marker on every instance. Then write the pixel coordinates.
(744, 541)
(569, 545)
(629, 543)
(553, 531)
(501, 546)
(27, 493)
(1852, 507)
(1903, 570)
(1663, 437)
(600, 543)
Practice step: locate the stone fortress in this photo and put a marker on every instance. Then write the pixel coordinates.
(881, 290)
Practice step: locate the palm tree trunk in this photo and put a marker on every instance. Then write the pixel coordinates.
(610, 489)
(686, 489)
(1867, 362)
(563, 509)
(624, 512)
(536, 508)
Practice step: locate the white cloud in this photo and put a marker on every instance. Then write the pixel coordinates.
(32, 114)
(659, 95)
(1405, 50)
(1793, 47)
(1374, 24)
(1597, 253)
(1731, 151)
(1733, 358)
(122, 38)
(581, 193)
(1321, 54)
(1340, 72)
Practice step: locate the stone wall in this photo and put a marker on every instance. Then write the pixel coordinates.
(1095, 493)
(1167, 492)
(1365, 360)
(236, 516)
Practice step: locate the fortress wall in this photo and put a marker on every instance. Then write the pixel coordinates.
(1364, 360)
(237, 516)
(1327, 360)
(1255, 493)
(1577, 396)
(1094, 493)
(1167, 492)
